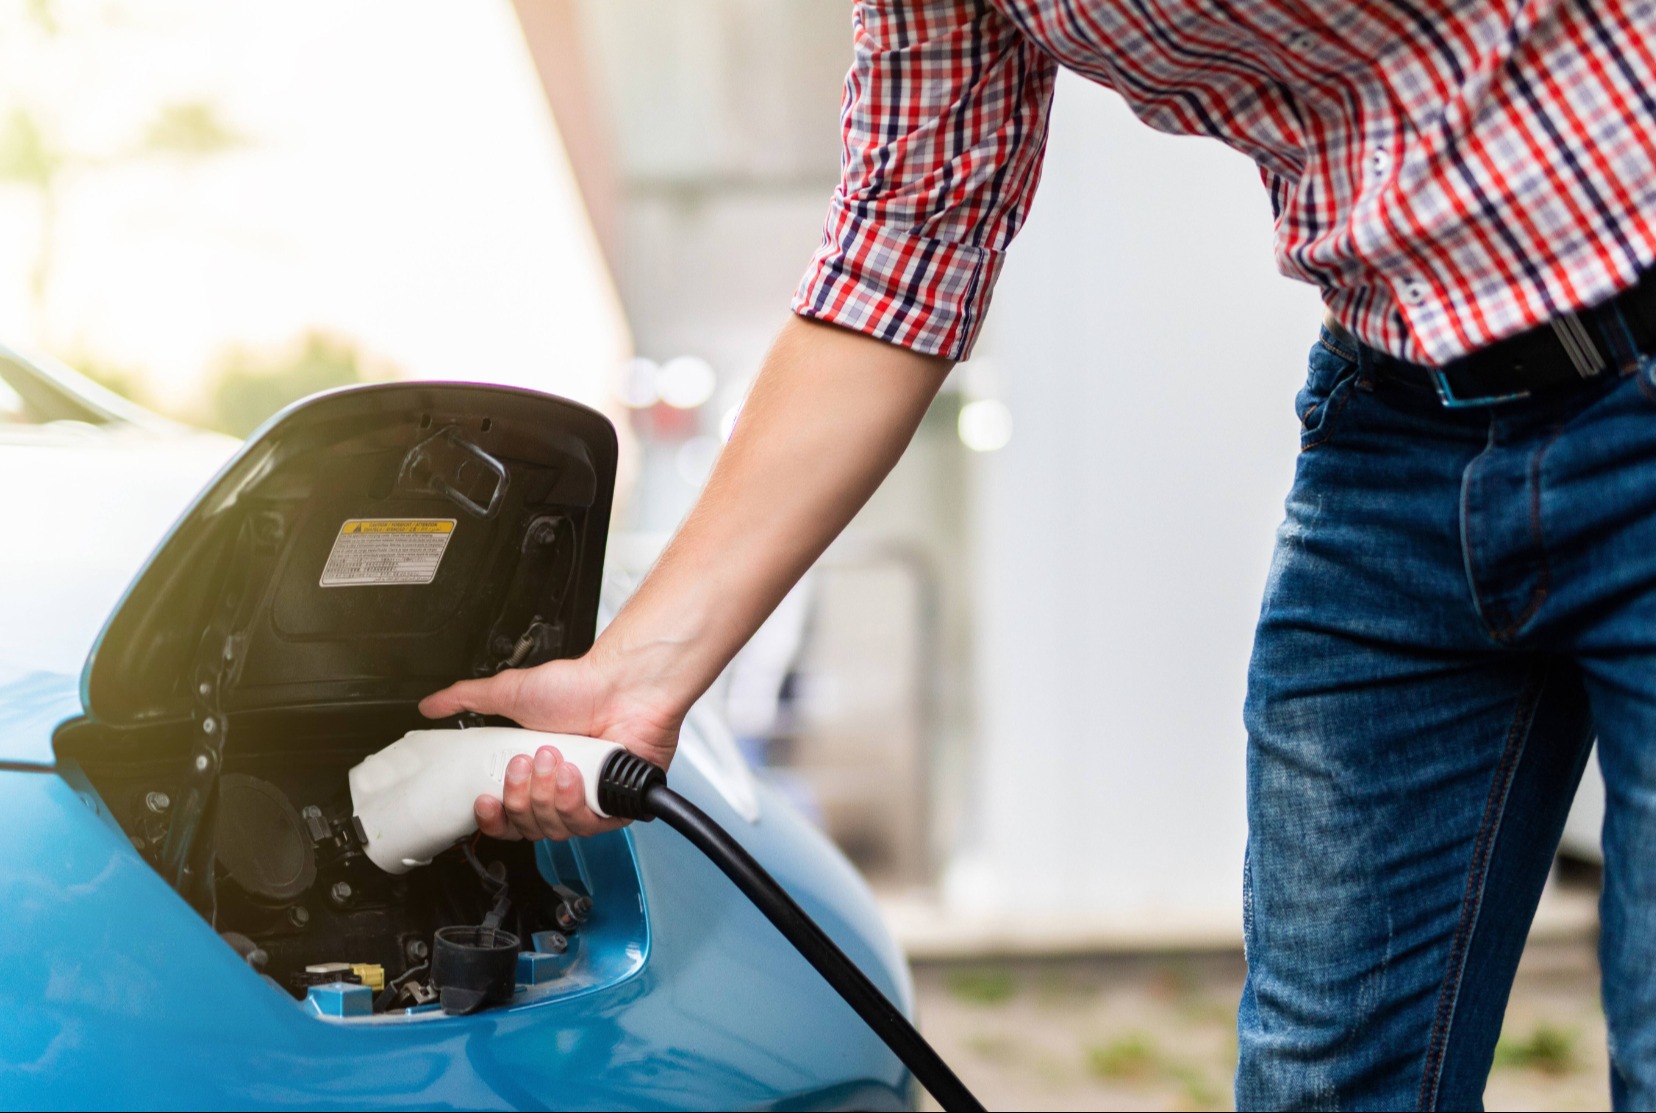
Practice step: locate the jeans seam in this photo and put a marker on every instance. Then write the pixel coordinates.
(1472, 903)
(1336, 349)
(1538, 595)
(1468, 478)
(1325, 432)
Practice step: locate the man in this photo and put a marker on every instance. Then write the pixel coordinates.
(1465, 587)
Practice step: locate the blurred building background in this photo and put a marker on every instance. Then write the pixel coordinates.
(1012, 691)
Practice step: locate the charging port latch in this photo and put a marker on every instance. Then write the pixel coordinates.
(450, 465)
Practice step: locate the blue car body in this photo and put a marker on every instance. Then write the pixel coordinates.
(116, 992)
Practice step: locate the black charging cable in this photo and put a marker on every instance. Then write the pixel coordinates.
(632, 788)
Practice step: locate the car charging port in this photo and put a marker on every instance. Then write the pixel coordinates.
(473, 967)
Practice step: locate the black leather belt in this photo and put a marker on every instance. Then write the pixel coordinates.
(1567, 351)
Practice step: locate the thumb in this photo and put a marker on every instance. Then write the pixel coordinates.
(490, 695)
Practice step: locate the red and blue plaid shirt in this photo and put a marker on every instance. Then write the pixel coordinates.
(1448, 172)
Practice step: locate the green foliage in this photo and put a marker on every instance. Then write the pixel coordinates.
(27, 155)
(1135, 1058)
(251, 386)
(1131, 1056)
(191, 129)
(44, 15)
(997, 1048)
(36, 155)
(1197, 1089)
(982, 985)
(128, 382)
(1548, 1049)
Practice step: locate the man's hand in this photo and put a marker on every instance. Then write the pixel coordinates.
(543, 796)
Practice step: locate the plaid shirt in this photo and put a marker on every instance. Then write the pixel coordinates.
(1448, 172)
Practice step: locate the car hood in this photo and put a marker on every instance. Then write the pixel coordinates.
(84, 507)
(368, 545)
(31, 707)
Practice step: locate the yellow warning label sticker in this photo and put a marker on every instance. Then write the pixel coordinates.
(398, 525)
(387, 551)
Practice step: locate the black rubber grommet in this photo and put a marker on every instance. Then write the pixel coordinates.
(472, 966)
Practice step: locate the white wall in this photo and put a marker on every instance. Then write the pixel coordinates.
(1149, 354)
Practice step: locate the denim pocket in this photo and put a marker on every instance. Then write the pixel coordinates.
(1328, 387)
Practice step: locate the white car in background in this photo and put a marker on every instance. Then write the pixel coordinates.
(92, 483)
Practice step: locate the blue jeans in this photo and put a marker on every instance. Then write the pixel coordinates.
(1459, 600)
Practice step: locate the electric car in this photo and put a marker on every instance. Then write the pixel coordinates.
(189, 919)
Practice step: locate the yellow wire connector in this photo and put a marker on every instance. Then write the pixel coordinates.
(371, 973)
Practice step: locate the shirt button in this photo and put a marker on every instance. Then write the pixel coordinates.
(1414, 291)
(1301, 42)
(1380, 162)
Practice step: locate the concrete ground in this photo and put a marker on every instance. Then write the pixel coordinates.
(1126, 1032)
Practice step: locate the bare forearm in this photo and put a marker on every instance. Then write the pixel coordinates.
(828, 417)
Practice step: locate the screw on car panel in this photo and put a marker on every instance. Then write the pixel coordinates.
(298, 915)
(316, 824)
(417, 951)
(572, 910)
(340, 893)
(157, 802)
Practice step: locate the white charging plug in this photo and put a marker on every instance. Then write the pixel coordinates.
(415, 797)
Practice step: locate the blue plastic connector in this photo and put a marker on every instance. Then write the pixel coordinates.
(340, 1000)
(550, 959)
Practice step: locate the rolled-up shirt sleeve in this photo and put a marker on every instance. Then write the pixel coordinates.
(944, 123)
